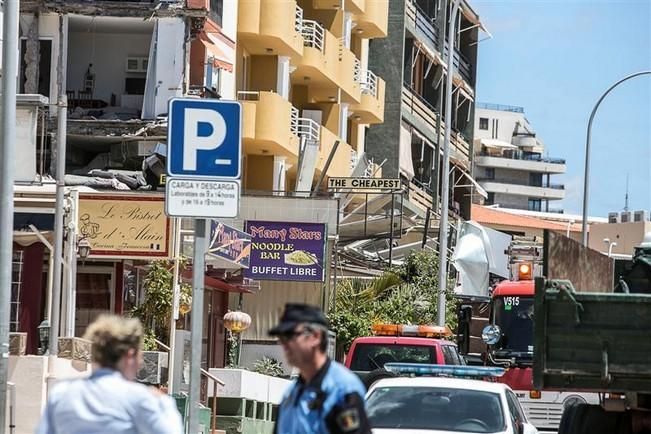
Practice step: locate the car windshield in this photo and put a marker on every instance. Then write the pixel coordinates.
(368, 357)
(514, 315)
(435, 408)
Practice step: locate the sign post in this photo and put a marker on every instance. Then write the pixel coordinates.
(203, 163)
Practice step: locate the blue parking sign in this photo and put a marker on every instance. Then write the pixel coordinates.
(204, 138)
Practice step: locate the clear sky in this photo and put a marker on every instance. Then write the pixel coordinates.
(555, 58)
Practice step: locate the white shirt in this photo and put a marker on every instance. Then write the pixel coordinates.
(106, 402)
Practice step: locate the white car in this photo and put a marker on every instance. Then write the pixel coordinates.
(442, 405)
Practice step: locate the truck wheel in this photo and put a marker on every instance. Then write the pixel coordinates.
(377, 375)
(592, 419)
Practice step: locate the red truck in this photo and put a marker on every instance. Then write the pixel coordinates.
(400, 343)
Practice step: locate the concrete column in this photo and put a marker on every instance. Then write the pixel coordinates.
(282, 82)
(348, 28)
(280, 170)
(343, 122)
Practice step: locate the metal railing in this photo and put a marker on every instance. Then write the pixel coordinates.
(369, 83)
(357, 71)
(298, 20)
(500, 107)
(551, 185)
(422, 23)
(313, 34)
(516, 156)
(293, 125)
(308, 128)
(248, 95)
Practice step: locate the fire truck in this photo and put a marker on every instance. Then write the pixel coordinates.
(508, 338)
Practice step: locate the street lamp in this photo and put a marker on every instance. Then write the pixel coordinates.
(569, 225)
(236, 322)
(610, 246)
(586, 175)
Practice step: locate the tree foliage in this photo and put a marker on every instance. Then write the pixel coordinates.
(155, 311)
(407, 294)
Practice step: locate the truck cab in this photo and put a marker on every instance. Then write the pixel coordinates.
(400, 343)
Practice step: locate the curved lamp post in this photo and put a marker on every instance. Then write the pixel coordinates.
(236, 322)
(584, 228)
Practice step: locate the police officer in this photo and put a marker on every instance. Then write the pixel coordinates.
(326, 397)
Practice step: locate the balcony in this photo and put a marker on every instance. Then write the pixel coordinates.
(545, 191)
(536, 164)
(319, 65)
(263, 26)
(373, 21)
(270, 124)
(341, 163)
(350, 77)
(371, 108)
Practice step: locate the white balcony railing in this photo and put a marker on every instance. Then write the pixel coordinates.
(369, 83)
(248, 95)
(357, 71)
(298, 20)
(309, 129)
(314, 34)
(354, 159)
(294, 121)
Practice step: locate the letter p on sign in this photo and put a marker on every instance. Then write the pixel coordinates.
(204, 138)
(204, 130)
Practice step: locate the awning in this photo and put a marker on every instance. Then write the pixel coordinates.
(220, 59)
(474, 184)
(218, 284)
(27, 238)
(496, 143)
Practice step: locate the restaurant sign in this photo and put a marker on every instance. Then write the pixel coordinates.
(124, 226)
(230, 244)
(286, 251)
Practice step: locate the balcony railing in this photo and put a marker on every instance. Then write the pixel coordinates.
(354, 159)
(298, 20)
(357, 71)
(500, 107)
(369, 83)
(294, 121)
(313, 34)
(523, 183)
(422, 22)
(516, 156)
(309, 129)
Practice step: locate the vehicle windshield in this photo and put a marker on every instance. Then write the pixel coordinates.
(368, 357)
(514, 315)
(435, 408)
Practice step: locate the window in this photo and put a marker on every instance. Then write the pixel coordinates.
(535, 179)
(517, 414)
(483, 123)
(535, 205)
(489, 173)
(451, 355)
(368, 357)
(217, 11)
(490, 200)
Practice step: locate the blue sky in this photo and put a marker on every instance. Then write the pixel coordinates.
(555, 58)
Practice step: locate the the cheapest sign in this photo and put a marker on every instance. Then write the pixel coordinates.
(286, 251)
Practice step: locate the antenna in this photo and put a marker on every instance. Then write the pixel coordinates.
(626, 197)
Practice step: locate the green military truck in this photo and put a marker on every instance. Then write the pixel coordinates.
(598, 341)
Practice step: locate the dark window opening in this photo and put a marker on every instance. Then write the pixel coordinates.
(490, 200)
(483, 123)
(368, 357)
(535, 205)
(134, 85)
(217, 11)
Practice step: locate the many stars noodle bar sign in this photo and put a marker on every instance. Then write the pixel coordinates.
(124, 226)
(286, 251)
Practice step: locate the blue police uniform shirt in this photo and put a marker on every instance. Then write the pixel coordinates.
(331, 403)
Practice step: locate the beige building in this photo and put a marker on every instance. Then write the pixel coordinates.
(626, 235)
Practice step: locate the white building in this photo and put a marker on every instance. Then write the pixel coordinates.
(510, 161)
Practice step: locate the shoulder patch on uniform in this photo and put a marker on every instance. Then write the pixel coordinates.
(348, 420)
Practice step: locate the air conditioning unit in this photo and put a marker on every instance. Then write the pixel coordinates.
(613, 217)
(641, 216)
(136, 64)
(626, 216)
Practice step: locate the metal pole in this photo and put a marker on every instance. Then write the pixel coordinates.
(62, 117)
(198, 265)
(7, 166)
(175, 306)
(445, 181)
(586, 173)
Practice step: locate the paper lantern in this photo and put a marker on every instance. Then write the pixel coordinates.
(237, 321)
